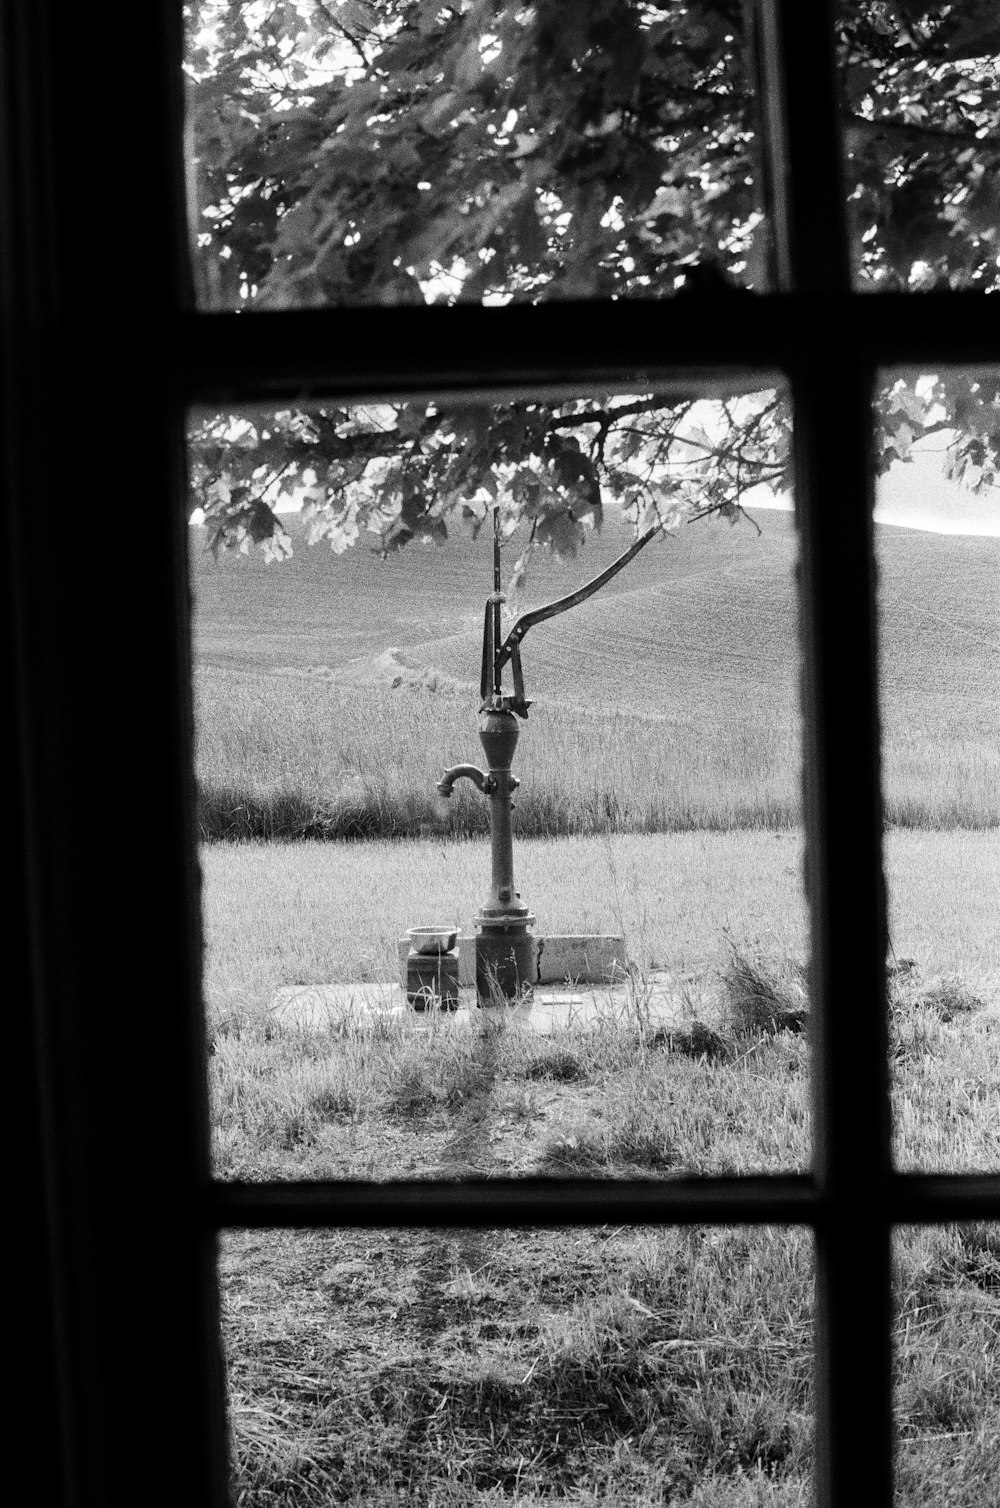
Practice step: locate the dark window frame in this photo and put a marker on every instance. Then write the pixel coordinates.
(101, 356)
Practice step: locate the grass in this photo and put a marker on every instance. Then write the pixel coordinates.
(602, 1365)
(283, 914)
(605, 1365)
(331, 691)
(510, 1374)
(762, 997)
(608, 1365)
(294, 756)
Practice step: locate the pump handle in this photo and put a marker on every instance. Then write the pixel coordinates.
(496, 654)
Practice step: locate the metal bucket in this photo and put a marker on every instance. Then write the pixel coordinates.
(432, 940)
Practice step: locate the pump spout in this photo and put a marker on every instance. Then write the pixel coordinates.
(479, 778)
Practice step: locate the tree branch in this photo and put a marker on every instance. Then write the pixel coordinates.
(859, 132)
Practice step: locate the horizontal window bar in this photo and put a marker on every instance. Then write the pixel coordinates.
(939, 1198)
(518, 1201)
(785, 1198)
(359, 351)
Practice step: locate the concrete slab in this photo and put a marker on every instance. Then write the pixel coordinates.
(363, 1007)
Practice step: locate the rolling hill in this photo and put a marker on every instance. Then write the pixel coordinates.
(698, 623)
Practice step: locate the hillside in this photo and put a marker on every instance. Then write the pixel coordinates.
(700, 620)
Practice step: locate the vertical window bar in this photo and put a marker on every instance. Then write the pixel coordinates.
(802, 165)
(93, 462)
(832, 395)
(27, 319)
(846, 902)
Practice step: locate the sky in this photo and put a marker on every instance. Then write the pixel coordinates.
(916, 495)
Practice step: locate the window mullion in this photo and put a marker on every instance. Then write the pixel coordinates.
(847, 911)
(801, 144)
(832, 390)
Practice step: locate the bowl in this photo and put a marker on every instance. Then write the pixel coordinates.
(433, 939)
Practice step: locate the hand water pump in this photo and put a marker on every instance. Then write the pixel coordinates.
(506, 950)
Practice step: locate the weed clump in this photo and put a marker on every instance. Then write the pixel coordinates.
(637, 1140)
(976, 1257)
(452, 1075)
(574, 1150)
(695, 1041)
(411, 1091)
(762, 997)
(950, 998)
(558, 1064)
(918, 1011)
(945, 998)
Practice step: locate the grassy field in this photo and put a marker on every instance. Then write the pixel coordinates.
(601, 1365)
(287, 913)
(332, 690)
(597, 1365)
(660, 800)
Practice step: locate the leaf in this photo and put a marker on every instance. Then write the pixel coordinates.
(527, 146)
(560, 533)
(517, 576)
(469, 68)
(277, 546)
(410, 420)
(443, 108)
(356, 15)
(649, 518)
(667, 201)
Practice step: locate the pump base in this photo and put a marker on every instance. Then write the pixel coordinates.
(506, 965)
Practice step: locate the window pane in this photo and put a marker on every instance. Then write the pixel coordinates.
(401, 151)
(590, 1365)
(947, 1296)
(938, 552)
(921, 98)
(656, 833)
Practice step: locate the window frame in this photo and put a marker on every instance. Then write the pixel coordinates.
(123, 1215)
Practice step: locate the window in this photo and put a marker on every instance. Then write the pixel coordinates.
(101, 353)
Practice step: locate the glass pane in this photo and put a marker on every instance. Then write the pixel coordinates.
(653, 894)
(921, 99)
(947, 1351)
(403, 151)
(608, 1365)
(937, 542)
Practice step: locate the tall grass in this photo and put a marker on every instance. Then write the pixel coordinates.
(612, 1365)
(311, 913)
(295, 756)
(609, 1365)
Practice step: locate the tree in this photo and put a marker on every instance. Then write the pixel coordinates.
(408, 151)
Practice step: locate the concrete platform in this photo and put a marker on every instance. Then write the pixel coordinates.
(553, 1009)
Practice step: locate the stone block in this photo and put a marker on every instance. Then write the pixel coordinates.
(466, 961)
(581, 958)
(576, 957)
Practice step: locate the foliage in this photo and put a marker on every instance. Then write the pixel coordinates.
(409, 151)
